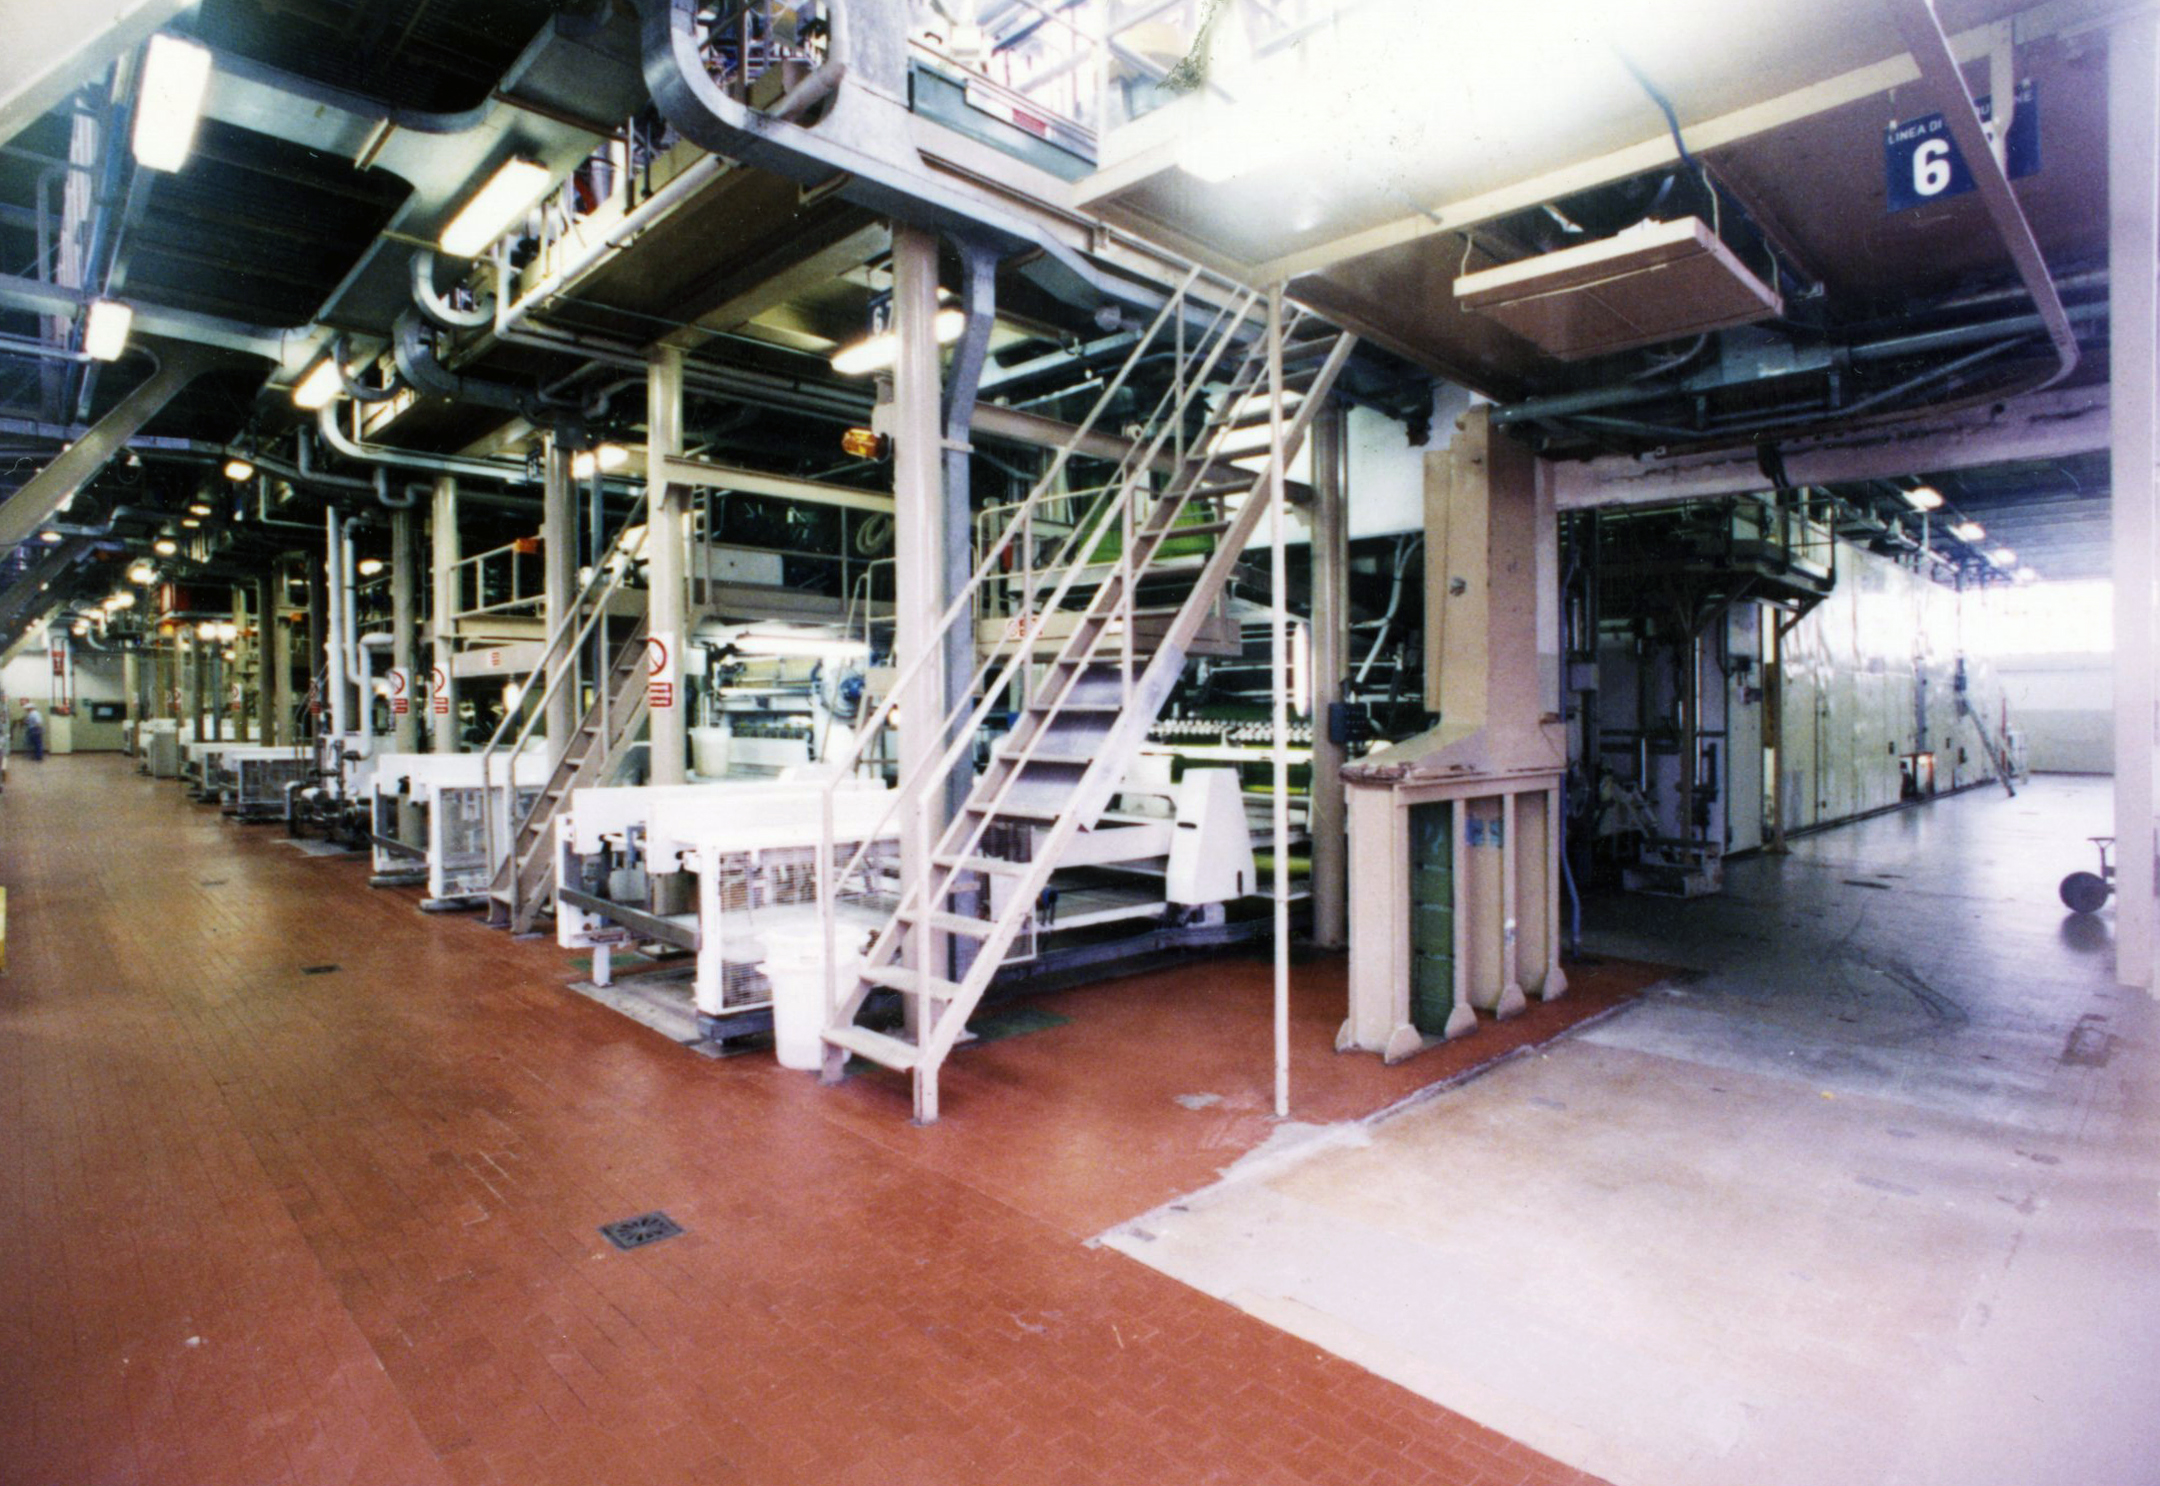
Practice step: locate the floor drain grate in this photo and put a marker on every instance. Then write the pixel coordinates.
(318, 969)
(645, 1228)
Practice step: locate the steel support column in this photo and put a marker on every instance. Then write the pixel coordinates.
(405, 684)
(279, 639)
(2134, 381)
(919, 595)
(558, 558)
(667, 547)
(1330, 652)
(443, 559)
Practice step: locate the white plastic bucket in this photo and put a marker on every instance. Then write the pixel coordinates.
(795, 966)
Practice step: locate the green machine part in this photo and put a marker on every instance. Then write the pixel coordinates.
(1432, 916)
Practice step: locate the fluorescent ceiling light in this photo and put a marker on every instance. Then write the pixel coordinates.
(175, 75)
(51, 537)
(1924, 498)
(105, 329)
(320, 386)
(2003, 557)
(227, 630)
(370, 566)
(191, 521)
(1968, 531)
(142, 572)
(799, 643)
(604, 460)
(509, 193)
(121, 600)
(877, 352)
(239, 469)
(2027, 575)
(164, 546)
(207, 629)
(200, 508)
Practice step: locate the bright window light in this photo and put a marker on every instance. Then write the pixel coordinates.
(509, 193)
(175, 75)
(878, 352)
(318, 387)
(1924, 498)
(105, 329)
(2073, 617)
(239, 469)
(1968, 531)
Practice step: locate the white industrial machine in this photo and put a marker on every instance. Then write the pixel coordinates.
(775, 697)
(254, 780)
(158, 748)
(453, 854)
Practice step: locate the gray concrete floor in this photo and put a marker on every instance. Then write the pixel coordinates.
(1871, 1195)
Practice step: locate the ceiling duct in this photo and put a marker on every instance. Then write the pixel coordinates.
(1657, 282)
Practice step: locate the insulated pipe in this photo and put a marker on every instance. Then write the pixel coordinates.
(438, 309)
(334, 641)
(1924, 37)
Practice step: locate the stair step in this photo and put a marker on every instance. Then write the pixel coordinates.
(951, 923)
(890, 1052)
(914, 982)
(1047, 756)
(993, 865)
(1035, 813)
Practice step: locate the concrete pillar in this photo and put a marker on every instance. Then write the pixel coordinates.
(443, 553)
(2134, 380)
(1330, 653)
(131, 684)
(667, 556)
(919, 595)
(237, 696)
(558, 556)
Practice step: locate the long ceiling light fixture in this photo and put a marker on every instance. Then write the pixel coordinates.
(508, 195)
(105, 329)
(320, 386)
(878, 352)
(175, 76)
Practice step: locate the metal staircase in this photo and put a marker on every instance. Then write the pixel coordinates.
(524, 877)
(1099, 640)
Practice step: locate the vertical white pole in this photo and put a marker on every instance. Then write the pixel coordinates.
(443, 553)
(2133, 252)
(667, 539)
(1279, 686)
(558, 556)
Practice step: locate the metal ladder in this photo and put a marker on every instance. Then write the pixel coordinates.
(1090, 706)
(524, 875)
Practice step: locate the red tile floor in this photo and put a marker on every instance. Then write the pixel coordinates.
(262, 1225)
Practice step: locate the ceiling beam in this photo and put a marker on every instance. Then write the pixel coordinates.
(2049, 425)
(80, 462)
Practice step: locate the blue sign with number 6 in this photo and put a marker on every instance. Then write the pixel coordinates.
(1921, 162)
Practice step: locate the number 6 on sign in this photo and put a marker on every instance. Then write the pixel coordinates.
(1931, 173)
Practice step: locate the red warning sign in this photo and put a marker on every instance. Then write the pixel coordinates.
(400, 691)
(661, 679)
(441, 693)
